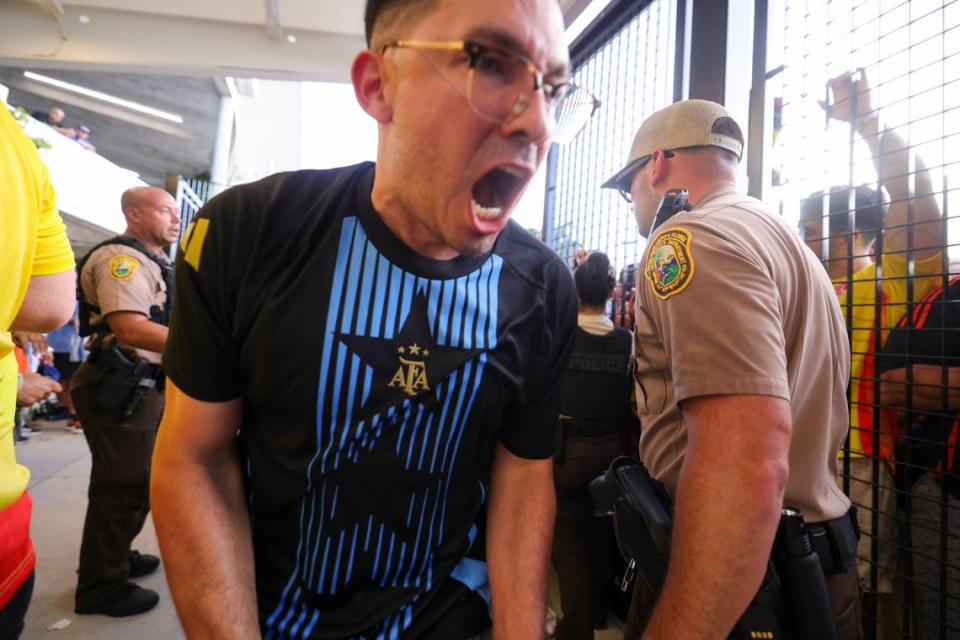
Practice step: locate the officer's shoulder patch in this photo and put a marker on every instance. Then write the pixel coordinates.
(122, 267)
(670, 267)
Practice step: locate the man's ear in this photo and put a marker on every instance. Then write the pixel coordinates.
(369, 81)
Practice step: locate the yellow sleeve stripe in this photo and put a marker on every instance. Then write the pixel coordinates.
(195, 243)
(185, 238)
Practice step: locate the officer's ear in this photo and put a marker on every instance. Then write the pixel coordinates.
(660, 166)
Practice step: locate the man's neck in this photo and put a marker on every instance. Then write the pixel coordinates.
(152, 248)
(841, 269)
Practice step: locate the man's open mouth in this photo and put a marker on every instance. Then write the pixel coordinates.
(496, 190)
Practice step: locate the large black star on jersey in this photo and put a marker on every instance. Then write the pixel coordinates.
(408, 366)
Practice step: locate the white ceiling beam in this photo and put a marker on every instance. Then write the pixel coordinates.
(124, 41)
(272, 23)
(68, 98)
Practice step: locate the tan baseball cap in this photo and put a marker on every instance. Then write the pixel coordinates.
(690, 123)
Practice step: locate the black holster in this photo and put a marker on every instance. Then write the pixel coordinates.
(123, 381)
(792, 602)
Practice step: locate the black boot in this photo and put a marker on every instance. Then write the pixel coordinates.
(128, 601)
(142, 564)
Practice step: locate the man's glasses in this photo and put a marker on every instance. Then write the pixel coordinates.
(624, 187)
(500, 85)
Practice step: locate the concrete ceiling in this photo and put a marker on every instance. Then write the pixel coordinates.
(141, 143)
(171, 55)
(275, 39)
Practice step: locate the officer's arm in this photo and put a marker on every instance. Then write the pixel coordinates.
(48, 303)
(519, 534)
(196, 492)
(136, 330)
(728, 503)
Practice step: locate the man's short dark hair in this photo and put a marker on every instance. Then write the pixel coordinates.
(594, 279)
(379, 11)
(868, 205)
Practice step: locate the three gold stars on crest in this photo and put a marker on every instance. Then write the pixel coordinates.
(413, 350)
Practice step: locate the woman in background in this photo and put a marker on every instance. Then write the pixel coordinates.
(595, 410)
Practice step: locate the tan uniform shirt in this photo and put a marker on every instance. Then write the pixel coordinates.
(120, 278)
(731, 302)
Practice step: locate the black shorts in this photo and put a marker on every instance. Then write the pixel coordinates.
(66, 368)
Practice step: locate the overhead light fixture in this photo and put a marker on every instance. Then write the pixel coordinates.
(84, 19)
(106, 97)
(292, 39)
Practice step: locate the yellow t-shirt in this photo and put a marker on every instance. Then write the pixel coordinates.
(864, 346)
(33, 242)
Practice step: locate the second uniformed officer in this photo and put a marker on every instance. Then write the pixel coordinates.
(125, 289)
(742, 365)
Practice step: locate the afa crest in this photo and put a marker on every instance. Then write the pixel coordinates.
(411, 377)
(670, 266)
(122, 267)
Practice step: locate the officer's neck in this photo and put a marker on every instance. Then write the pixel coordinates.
(700, 191)
(149, 246)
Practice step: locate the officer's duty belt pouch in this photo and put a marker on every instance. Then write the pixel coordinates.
(835, 542)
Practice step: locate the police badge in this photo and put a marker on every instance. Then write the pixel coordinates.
(670, 267)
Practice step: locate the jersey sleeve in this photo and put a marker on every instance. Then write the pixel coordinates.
(529, 430)
(202, 351)
(718, 314)
(53, 253)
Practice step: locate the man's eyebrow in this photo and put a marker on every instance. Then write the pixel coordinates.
(508, 42)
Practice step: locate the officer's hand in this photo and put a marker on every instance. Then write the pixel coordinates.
(35, 388)
(24, 339)
(848, 89)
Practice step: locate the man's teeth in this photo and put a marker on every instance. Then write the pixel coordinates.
(486, 213)
(516, 173)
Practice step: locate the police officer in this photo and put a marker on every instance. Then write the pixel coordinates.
(594, 412)
(742, 365)
(125, 289)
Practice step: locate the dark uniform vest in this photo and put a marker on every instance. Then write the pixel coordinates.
(158, 314)
(596, 383)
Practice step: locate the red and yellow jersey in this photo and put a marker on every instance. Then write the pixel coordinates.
(861, 315)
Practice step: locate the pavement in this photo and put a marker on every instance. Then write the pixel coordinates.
(59, 463)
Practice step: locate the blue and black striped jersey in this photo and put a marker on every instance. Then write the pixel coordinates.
(376, 384)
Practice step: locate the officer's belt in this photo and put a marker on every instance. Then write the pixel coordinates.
(835, 541)
(586, 427)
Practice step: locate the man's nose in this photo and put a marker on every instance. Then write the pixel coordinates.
(532, 117)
